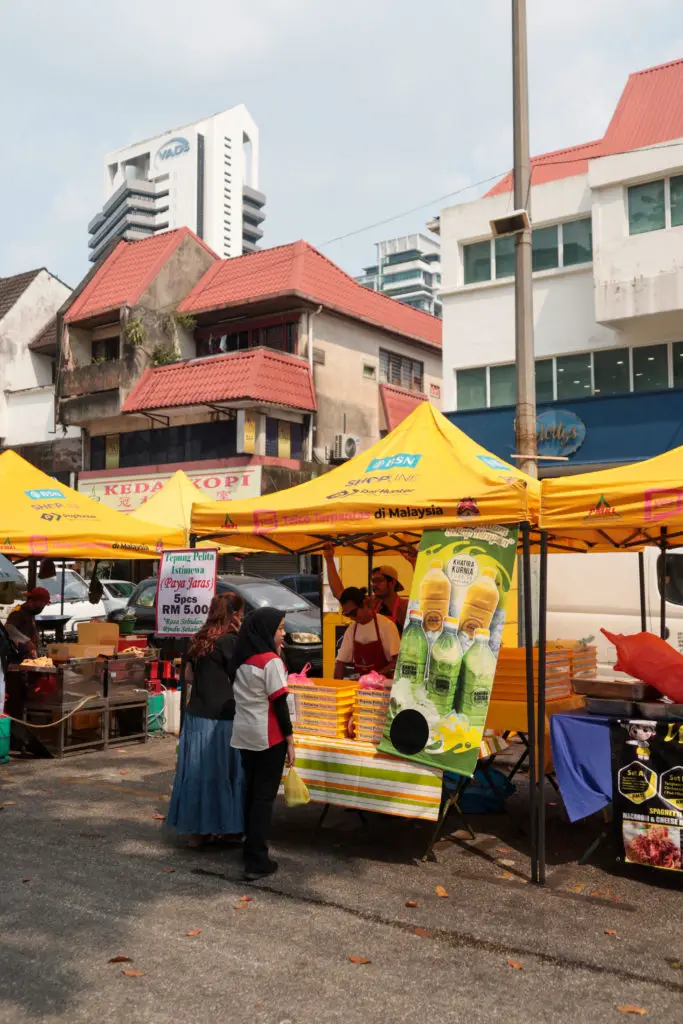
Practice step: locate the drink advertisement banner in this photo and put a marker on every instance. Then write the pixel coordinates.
(647, 787)
(186, 585)
(447, 661)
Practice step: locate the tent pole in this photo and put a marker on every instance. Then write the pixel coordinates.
(542, 623)
(662, 584)
(370, 554)
(641, 582)
(61, 596)
(185, 644)
(530, 695)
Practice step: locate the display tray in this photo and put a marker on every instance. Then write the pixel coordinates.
(659, 709)
(609, 688)
(602, 706)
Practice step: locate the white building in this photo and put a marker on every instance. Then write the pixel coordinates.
(607, 286)
(408, 269)
(203, 176)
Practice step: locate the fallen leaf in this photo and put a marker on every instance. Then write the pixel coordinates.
(507, 863)
(441, 892)
(121, 750)
(159, 817)
(9, 803)
(610, 931)
(195, 931)
(359, 960)
(503, 849)
(26, 879)
(422, 932)
(120, 960)
(240, 906)
(632, 1009)
(168, 871)
(123, 771)
(505, 874)
(134, 974)
(246, 899)
(517, 964)
(676, 964)
(412, 904)
(462, 834)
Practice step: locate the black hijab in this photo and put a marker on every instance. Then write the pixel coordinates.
(257, 634)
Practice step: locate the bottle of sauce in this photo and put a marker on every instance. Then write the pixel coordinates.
(435, 596)
(481, 601)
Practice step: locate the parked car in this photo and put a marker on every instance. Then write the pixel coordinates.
(306, 584)
(116, 594)
(303, 639)
(76, 601)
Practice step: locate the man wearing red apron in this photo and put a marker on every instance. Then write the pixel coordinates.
(370, 643)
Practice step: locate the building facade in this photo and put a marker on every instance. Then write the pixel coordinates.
(408, 269)
(204, 176)
(29, 303)
(607, 287)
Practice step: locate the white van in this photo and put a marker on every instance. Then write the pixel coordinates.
(587, 592)
(76, 603)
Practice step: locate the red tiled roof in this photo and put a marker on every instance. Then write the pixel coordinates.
(649, 112)
(398, 403)
(259, 374)
(300, 270)
(126, 272)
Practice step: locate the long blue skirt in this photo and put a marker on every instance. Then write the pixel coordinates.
(208, 791)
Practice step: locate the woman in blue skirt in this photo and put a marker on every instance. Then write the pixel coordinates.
(208, 792)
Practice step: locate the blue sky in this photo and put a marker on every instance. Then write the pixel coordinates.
(366, 108)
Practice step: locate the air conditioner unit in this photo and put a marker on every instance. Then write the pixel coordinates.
(345, 447)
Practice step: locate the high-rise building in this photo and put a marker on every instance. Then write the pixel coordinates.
(203, 176)
(407, 269)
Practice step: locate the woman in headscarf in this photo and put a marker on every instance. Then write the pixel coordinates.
(262, 731)
(208, 792)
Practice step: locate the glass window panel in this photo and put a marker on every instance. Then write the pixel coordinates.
(502, 380)
(574, 376)
(477, 260)
(610, 372)
(577, 242)
(544, 381)
(544, 250)
(646, 207)
(505, 256)
(676, 186)
(471, 386)
(678, 364)
(650, 368)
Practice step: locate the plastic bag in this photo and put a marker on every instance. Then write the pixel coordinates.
(300, 677)
(296, 790)
(373, 681)
(648, 657)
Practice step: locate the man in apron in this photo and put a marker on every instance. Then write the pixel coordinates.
(371, 642)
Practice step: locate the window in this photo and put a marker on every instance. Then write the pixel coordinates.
(369, 372)
(471, 389)
(545, 390)
(574, 376)
(577, 242)
(611, 374)
(650, 368)
(477, 260)
(678, 363)
(676, 200)
(545, 253)
(502, 382)
(505, 256)
(218, 340)
(272, 433)
(400, 371)
(106, 350)
(146, 596)
(402, 275)
(673, 575)
(646, 209)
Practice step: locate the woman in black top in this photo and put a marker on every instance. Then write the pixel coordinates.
(208, 792)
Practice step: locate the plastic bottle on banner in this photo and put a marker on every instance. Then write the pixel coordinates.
(412, 657)
(479, 668)
(481, 601)
(444, 667)
(435, 596)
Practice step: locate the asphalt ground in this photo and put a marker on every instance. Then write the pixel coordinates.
(89, 872)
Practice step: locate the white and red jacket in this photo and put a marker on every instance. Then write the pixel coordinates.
(260, 681)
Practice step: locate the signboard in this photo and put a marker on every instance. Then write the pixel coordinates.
(126, 491)
(559, 432)
(249, 432)
(449, 649)
(185, 587)
(647, 786)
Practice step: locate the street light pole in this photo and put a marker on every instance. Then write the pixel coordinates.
(525, 425)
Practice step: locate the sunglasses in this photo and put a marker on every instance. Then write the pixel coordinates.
(351, 614)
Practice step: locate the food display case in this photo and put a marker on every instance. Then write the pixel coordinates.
(60, 687)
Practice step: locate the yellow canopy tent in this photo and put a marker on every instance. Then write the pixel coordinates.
(40, 517)
(171, 507)
(426, 474)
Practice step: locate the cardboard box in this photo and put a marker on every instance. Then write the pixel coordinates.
(65, 652)
(98, 633)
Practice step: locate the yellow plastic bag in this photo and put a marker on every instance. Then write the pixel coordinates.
(296, 791)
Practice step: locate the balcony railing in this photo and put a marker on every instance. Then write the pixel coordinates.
(85, 380)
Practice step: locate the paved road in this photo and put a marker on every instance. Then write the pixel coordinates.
(88, 873)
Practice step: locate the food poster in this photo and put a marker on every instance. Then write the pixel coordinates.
(447, 660)
(185, 588)
(647, 786)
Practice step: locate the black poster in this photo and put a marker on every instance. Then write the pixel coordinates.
(647, 780)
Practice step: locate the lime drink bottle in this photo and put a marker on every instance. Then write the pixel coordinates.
(444, 667)
(412, 657)
(479, 668)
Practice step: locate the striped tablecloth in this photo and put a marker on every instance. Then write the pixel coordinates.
(351, 774)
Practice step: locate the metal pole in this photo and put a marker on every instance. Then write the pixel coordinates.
(641, 582)
(662, 583)
(525, 423)
(530, 697)
(542, 614)
(371, 549)
(61, 607)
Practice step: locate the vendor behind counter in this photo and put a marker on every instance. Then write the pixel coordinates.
(21, 623)
(371, 643)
